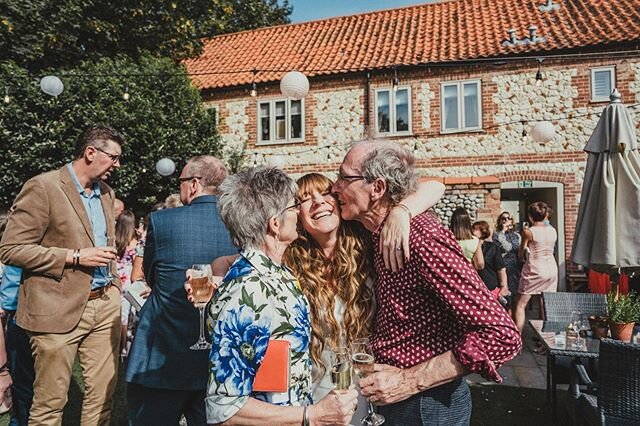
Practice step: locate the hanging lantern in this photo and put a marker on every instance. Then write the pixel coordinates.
(51, 85)
(276, 161)
(543, 132)
(165, 167)
(294, 85)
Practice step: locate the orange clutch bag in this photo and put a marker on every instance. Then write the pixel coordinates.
(273, 373)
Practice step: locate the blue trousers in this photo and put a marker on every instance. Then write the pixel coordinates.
(447, 405)
(163, 407)
(22, 372)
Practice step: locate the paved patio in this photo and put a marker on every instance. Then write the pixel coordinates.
(527, 370)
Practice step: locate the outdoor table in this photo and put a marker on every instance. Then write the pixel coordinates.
(547, 331)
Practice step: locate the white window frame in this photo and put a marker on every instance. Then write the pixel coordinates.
(592, 82)
(216, 109)
(460, 128)
(392, 111)
(272, 122)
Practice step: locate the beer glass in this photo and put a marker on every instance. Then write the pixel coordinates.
(201, 290)
(111, 243)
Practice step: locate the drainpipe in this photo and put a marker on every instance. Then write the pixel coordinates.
(367, 104)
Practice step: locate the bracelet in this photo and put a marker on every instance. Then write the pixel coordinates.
(406, 209)
(305, 416)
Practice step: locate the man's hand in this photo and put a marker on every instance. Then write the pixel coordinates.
(336, 408)
(97, 256)
(387, 384)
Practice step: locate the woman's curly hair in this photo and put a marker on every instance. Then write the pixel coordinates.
(323, 279)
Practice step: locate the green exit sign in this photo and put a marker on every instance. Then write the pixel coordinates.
(525, 184)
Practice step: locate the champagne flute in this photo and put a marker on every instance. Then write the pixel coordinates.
(111, 243)
(340, 369)
(202, 291)
(362, 360)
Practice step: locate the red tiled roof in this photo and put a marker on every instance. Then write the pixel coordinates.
(429, 33)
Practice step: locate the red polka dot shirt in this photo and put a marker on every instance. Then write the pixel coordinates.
(439, 303)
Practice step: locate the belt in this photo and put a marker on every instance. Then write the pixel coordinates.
(98, 292)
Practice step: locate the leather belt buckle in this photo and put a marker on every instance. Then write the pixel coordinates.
(98, 292)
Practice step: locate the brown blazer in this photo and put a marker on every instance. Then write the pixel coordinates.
(48, 219)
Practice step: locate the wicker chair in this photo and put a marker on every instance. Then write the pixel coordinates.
(615, 399)
(558, 306)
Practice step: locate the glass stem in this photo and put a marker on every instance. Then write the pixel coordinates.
(201, 309)
(370, 408)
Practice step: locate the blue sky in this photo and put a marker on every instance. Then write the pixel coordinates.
(309, 10)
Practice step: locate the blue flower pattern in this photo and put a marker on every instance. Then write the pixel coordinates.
(258, 300)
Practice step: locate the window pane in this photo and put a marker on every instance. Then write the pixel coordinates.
(471, 113)
(281, 120)
(402, 110)
(265, 131)
(296, 119)
(382, 103)
(450, 95)
(602, 84)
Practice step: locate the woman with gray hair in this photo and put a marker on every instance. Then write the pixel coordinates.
(259, 300)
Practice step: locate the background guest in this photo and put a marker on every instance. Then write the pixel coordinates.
(471, 245)
(508, 240)
(494, 273)
(540, 271)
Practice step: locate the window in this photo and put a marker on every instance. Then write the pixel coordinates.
(603, 81)
(461, 108)
(393, 111)
(280, 121)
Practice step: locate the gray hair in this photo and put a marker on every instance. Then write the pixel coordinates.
(393, 163)
(248, 199)
(211, 171)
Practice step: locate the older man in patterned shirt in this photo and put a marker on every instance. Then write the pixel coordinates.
(436, 320)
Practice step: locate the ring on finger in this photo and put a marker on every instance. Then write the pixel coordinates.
(399, 248)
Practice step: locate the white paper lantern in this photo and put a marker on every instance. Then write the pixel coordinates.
(165, 167)
(294, 85)
(51, 85)
(543, 132)
(276, 161)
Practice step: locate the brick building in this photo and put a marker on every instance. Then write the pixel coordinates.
(461, 83)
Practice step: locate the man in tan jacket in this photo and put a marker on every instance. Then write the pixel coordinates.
(69, 301)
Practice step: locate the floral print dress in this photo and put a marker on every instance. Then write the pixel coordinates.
(257, 301)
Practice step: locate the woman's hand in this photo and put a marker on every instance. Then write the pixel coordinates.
(336, 408)
(5, 382)
(215, 279)
(394, 239)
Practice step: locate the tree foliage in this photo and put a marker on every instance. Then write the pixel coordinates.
(164, 117)
(98, 46)
(39, 34)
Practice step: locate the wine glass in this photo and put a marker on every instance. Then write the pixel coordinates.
(573, 329)
(340, 369)
(201, 289)
(362, 360)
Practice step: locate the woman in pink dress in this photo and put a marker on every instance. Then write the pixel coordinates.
(540, 271)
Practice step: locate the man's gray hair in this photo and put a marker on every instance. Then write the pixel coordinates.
(393, 163)
(210, 170)
(248, 199)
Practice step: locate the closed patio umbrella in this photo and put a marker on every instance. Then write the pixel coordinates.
(606, 236)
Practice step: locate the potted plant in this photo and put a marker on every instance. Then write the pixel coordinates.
(624, 311)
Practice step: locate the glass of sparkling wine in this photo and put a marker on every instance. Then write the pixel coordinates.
(111, 243)
(362, 360)
(340, 368)
(202, 291)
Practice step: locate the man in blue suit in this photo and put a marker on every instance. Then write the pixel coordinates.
(166, 378)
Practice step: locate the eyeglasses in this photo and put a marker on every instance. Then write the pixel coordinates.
(188, 178)
(505, 218)
(349, 178)
(115, 158)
